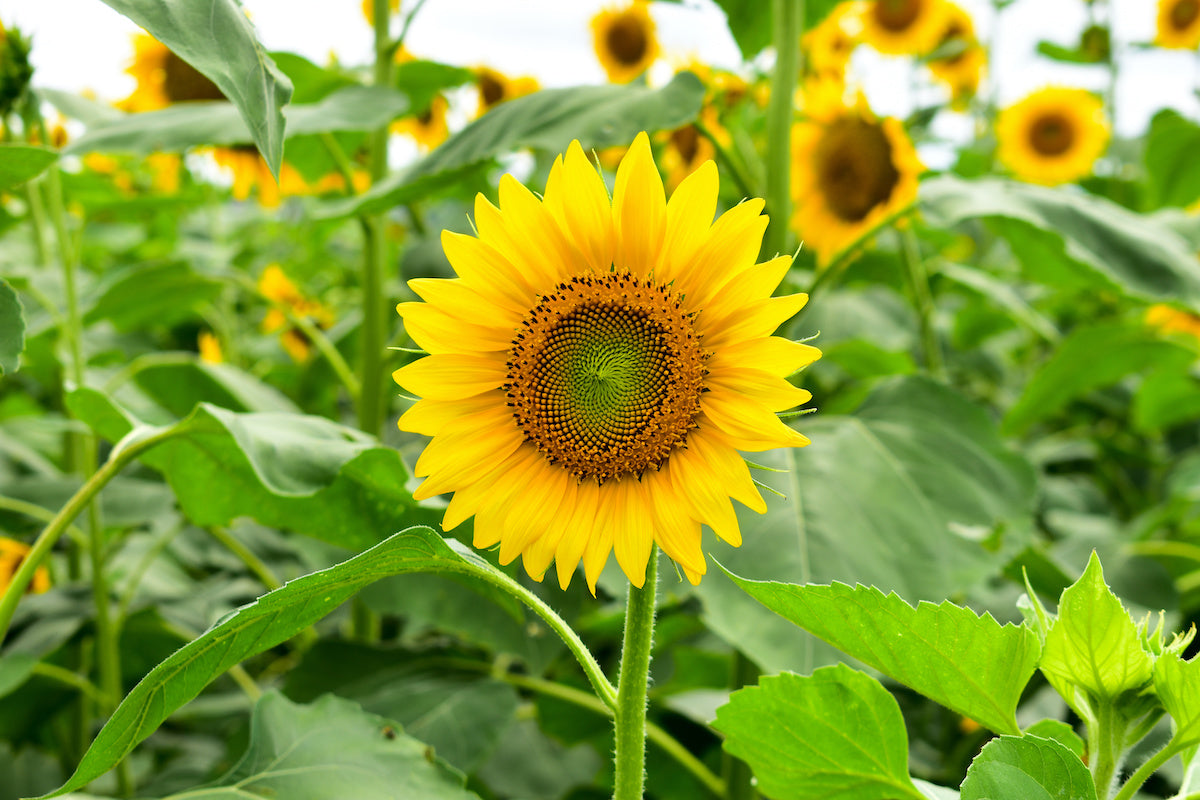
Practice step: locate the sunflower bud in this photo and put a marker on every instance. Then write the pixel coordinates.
(15, 70)
(1096, 44)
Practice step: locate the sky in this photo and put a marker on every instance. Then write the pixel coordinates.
(550, 40)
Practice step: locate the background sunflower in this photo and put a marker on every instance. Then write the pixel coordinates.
(904, 27)
(1052, 136)
(1178, 24)
(625, 40)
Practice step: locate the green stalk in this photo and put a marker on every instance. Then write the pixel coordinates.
(1105, 749)
(630, 720)
(787, 17)
(1149, 767)
(918, 282)
(69, 678)
(737, 774)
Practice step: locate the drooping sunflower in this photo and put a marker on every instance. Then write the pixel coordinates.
(164, 78)
(850, 169)
(496, 87)
(962, 71)
(598, 364)
(626, 40)
(904, 27)
(1053, 136)
(1178, 24)
(12, 555)
(275, 285)
(830, 44)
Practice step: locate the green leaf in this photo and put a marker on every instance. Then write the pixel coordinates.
(836, 733)
(1177, 684)
(968, 663)
(422, 79)
(180, 386)
(949, 504)
(140, 296)
(750, 23)
(273, 618)
(1173, 176)
(1027, 768)
(216, 38)
(1094, 645)
(1166, 398)
(20, 162)
(289, 471)
(1060, 732)
(1067, 55)
(315, 752)
(1075, 370)
(310, 82)
(12, 329)
(1072, 240)
(15, 669)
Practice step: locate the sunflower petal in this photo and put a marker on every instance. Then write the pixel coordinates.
(639, 209)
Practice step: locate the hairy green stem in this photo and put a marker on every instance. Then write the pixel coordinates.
(787, 18)
(1105, 748)
(918, 282)
(630, 719)
(1148, 768)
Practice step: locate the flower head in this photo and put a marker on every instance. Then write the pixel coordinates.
(625, 40)
(368, 9)
(276, 286)
(904, 27)
(830, 44)
(12, 555)
(164, 78)
(1052, 136)
(598, 364)
(850, 170)
(496, 88)
(962, 71)
(210, 348)
(1172, 320)
(1178, 24)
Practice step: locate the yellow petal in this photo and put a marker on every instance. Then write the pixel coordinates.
(579, 201)
(772, 391)
(674, 530)
(633, 536)
(731, 248)
(695, 481)
(732, 474)
(756, 320)
(485, 269)
(451, 376)
(750, 425)
(689, 217)
(435, 331)
(454, 296)
(639, 209)
(531, 513)
(430, 417)
(773, 354)
(577, 532)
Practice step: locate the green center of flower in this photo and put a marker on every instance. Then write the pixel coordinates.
(1051, 135)
(1184, 13)
(627, 40)
(605, 375)
(854, 167)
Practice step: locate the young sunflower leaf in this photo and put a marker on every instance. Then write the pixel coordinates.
(19, 163)
(1177, 683)
(968, 663)
(836, 733)
(1027, 768)
(12, 329)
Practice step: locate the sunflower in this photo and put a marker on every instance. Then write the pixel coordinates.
(12, 555)
(1178, 24)
(625, 40)
(960, 72)
(210, 348)
(1171, 320)
(597, 366)
(687, 149)
(429, 128)
(496, 87)
(830, 44)
(1052, 136)
(850, 170)
(904, 27)
(276, 286)
(164, 78)
(250, 171)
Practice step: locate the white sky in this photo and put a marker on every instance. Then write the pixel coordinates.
(84, 44)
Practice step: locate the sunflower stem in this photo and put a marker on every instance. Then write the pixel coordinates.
(630, 720)
(787, 16)
(918, 281)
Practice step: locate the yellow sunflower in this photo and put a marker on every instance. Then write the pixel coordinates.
(164, 78)
(1052, 136)
(625, 40)
(429, 128)
(850, 170)
(1172, 320)
(830, 44)
(496, 87)
(12, 555)
(250, 172)
(904, 27)
(598, 364)
(960, 72)
(686, 149)
(275, 285)
(1178, 24)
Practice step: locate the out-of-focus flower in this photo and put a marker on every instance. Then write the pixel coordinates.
(904, 27)
(963, 70)
(1178, 24)
(1053, 136)
(1172, 320)
(626, 40)
(496, 87)
(277, 287)
(164, 78)
(686, 149)
(598, 365)
(210, 348)
(429, 128)
(830, 44)
(251, 173)
(850, 169)
(12, 555)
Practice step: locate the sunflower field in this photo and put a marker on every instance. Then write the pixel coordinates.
(403, 427)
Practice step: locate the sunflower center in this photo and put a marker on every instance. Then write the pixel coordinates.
(490, 89)
(1184, 13)
(854, 167)
(183, 82)
(896, 15)
(687, 142)
(1051, 134)
(605, 375)
(626, 40)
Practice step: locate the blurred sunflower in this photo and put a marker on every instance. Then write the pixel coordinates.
(625, 40)
(597, 366)
(830, 44)
(686, 148)
(1178, 24)
(12, 555)
(904, 27)
(164, 78)
(1171, 320)
(210, 348)
(429, 128)
(850, 170)
(277, 287)
(368, 9)
(962, 71)
(1053, 136)
(250, 172)
(496, 87)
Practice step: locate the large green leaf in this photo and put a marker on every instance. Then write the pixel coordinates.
(967, 663)
(1173, 174)
(139, 296)
(273, 618)
(217, 38)
(19, 163)
(301, 473)
(1071, 239)
(1088, 359)
(948, 503)
(836, 733)
(12, 328)
(316, 752)
(1027, 768)
(179, 386)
